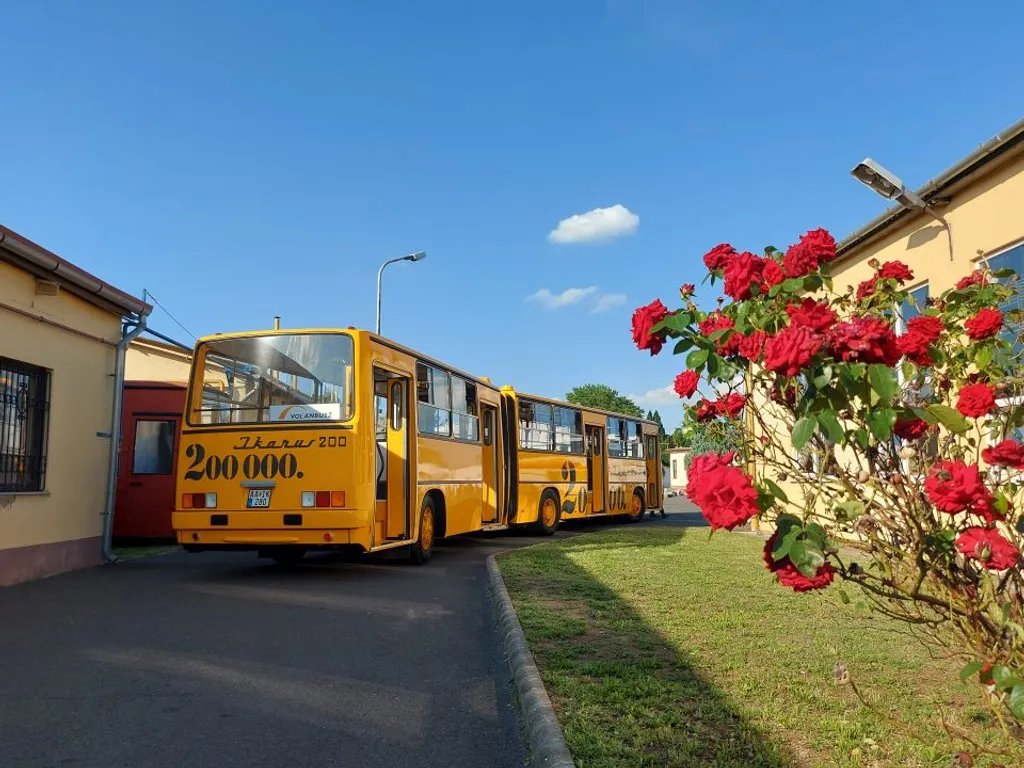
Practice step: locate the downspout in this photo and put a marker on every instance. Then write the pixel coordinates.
(115, 432)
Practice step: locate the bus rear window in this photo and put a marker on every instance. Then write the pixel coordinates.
(287, 378)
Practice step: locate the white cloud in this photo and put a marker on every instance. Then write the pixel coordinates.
(607, 301)
(550, 300)
(656, 397)
(598, 224)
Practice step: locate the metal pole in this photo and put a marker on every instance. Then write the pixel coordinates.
(379, 273)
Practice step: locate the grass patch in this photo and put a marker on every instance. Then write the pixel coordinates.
(660, 647)
(129, 553)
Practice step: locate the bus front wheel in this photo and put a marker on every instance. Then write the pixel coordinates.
(420, 552)
(549, 514)
(637, 507)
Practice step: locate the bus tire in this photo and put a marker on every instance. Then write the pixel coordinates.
(420, 552)
(287, 556)
(549, 513)
(637, 506)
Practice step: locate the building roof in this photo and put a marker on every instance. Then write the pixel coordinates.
(943, 185)
(23, 253)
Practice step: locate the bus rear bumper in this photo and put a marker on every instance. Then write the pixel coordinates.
(197, 531)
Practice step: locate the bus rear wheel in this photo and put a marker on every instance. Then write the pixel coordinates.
(420, 552)
(637, 506)
(549, 514)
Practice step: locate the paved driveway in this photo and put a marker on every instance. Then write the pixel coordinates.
(223, 660)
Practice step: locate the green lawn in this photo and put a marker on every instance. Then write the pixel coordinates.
(145, 550)
(660, 647)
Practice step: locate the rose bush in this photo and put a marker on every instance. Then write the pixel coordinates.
(861, 432)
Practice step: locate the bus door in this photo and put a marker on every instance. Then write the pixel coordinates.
(654, 472)
(596, 479)
(393, 454)
(490, 465)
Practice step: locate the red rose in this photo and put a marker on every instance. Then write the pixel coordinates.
(644, 319)
(706, 410)
(953, 486)
(819, 244)
(716, 321)
(1008, 453)
(866, 289)
(751, 346)
(927, 327)
(910, 429)
(914, 346)
(976, 400)
(708, 461)
(731, 406)
(864, 340)
(798, 261)
(812, 314)
(896, 270)
(686, 290)
(984, 325)
(790, 576)
(717, 256)
(742, 271)
(686, 383)
(772, 274)
(989, 548)
(725, 496)
(791, 349)
(975, 278)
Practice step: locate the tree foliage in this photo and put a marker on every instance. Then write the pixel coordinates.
(603, 397)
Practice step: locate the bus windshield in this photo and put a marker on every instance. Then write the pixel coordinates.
(274, 379)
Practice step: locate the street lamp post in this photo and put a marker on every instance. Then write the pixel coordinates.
(418, 256)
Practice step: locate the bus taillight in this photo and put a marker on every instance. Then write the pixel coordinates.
(323, 499)
(199, 500)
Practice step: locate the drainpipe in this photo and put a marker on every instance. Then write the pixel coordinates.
(127, 336)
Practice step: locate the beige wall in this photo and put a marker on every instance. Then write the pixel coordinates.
(149, 361)
(80, 406)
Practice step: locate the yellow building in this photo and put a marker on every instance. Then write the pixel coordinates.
(61, 363)
(971, 213)
(151, 360)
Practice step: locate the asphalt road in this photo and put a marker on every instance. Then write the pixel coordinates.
(225, 660)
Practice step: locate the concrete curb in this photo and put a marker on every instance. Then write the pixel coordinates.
(547, 743)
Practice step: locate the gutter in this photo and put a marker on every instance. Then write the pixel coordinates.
(127, 336)
(989, 150)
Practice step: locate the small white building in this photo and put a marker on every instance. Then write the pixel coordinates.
(677, 469)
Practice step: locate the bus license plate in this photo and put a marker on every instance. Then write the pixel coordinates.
(259, 498)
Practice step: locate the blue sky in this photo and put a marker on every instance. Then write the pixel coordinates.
(242, 160)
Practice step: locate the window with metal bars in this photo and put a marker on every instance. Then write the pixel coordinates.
(24, 412)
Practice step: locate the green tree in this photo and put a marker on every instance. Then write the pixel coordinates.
(604, 397)
(656, 418)
(716, 436)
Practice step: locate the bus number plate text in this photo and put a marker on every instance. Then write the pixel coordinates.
(259, 498)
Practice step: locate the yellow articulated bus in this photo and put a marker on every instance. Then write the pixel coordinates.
(294, 440)
(568, 462)
(301, 439)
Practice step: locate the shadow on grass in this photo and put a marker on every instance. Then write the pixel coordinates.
(624, 695)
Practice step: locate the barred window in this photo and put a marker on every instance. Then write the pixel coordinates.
(24, 412)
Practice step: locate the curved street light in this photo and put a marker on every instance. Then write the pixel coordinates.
(418, 256)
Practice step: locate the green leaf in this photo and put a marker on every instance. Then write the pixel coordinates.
(831, 427)
(807, 557)
(817, 534)
(909, 370)
(792, 284)
(682, 345)
(784, 543)
(765, 500)
(849, 510)
(774, 290)
(862, 438)
(950, 418)
(812, 283)
(971, 669)
(1002, 504)
(983, 357)
(1016, 701)
(697, 358)
(824, 378)
(1003, 677)
(937, 355)
(845, 598)
(714, 363)
(925, 414)
(883, 381)
(1004, 272)
(881, 421)
(803, 430)
(776, 491)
